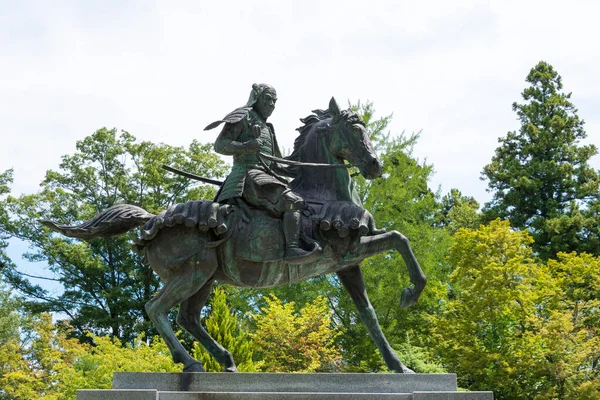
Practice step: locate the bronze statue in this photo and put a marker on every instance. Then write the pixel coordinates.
(239, 239)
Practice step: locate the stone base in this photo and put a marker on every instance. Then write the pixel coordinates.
(267, 386)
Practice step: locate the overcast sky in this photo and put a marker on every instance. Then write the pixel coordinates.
(163, 70)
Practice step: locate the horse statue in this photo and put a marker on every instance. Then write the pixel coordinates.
(194, 244)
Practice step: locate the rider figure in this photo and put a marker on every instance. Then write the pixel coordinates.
(253, 178)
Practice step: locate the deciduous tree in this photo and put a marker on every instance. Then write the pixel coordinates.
(5, 181)
(517, 326)
(288, 340)
(44, 362)
(105, 283)
(458, 211)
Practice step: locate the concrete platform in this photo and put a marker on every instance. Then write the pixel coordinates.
(282, 396)
(156, 395)
(86, 394)
(266, 386)
(271, 382)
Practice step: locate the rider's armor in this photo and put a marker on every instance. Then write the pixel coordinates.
(254, 179)
(248, 166)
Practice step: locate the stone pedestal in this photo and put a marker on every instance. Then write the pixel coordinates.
(263, 386)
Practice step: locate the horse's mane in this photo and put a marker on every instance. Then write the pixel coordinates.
(312, 120)
(309, 122)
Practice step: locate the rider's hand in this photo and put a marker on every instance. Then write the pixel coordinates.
(252, 146)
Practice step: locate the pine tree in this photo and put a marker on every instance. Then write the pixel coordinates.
(224, 327)
(540, 175)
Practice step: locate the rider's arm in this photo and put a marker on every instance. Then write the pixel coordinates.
(227, 143)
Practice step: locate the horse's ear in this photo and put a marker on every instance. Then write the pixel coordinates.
(334, 108)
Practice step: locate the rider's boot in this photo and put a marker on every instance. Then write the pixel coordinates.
(294, 254)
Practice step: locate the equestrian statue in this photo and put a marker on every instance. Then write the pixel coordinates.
(261, 230)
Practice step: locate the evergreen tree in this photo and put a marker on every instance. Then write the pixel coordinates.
(540, 176)
(226, 329)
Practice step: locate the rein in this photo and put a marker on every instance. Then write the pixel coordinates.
(260, 157)
(303, 164)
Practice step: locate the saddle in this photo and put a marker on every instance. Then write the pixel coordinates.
(257, 236)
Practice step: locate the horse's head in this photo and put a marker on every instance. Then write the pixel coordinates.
(331, 137)
(350, 141)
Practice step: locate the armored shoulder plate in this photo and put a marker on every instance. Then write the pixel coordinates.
(235, 116)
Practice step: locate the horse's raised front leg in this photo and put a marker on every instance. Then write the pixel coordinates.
(188, 279)
(189, 319)
(352, 280)
(371, 245)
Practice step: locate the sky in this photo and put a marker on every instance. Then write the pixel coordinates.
(162, 70)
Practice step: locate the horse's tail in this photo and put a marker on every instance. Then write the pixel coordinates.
(113, 221)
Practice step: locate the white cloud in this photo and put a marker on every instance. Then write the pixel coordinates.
(163, 70)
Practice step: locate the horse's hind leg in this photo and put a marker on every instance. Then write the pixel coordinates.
(352, 280)
(189, 319)
(177, 289)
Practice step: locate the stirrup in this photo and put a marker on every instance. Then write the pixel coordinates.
(296, 255)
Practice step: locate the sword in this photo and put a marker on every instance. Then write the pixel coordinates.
(192, 176)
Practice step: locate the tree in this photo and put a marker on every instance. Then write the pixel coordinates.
(402, 200)
(11, 321)
(296, 341)
(540, 175)
(6, 178)
(105, 283)
(226, 329)
(45, 362)
(514, 325)
(458, 211)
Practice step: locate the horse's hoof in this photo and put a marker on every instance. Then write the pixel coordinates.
(231, 369)
(408, 298)
(405, 370)
(194, 367)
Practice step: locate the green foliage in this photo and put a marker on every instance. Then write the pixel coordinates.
(458, 211)
(402, 201)
(225, 328)
(10, 318)
(94, 369)
(290, 341)
(6, 179)
(10, 322)
(506, 325)
(419, 358)
(540, 175)
(105, 283)
(46, 363)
